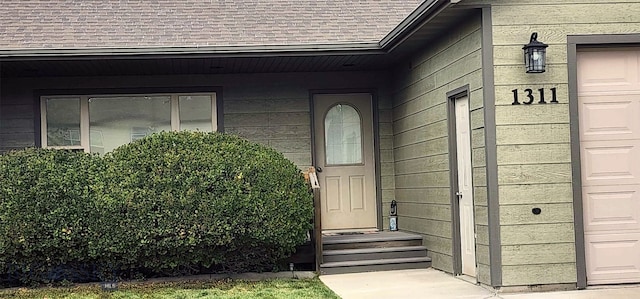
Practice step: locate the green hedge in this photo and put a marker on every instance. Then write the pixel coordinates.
(46, 208)
(167, 202)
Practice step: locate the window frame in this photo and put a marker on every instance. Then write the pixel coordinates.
(85, 142)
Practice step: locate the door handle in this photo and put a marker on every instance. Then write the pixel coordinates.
(319, 169)
(459, 194)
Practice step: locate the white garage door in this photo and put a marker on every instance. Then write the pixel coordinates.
(609, 97)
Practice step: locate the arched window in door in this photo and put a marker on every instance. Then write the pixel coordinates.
(343, 135)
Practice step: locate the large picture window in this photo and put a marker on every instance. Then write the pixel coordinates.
(101, 123)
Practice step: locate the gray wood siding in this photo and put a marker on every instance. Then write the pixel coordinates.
(533, 145)
(421, 148)
(283, 124)
(16, 117)
(387, 166)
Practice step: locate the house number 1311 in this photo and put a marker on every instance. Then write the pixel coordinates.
(529, 94)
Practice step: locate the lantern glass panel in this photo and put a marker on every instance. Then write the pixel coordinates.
(535, 60)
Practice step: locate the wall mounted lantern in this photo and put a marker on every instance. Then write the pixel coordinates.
(535, 55)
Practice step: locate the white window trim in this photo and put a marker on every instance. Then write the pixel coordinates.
(84, 115)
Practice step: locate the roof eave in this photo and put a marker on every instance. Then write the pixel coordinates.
(196, 51)
(424, 13)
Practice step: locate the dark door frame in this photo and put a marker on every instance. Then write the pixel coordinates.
(453, 177)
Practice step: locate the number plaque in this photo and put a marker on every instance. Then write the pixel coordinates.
(531, 97)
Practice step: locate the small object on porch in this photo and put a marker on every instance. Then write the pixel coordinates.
(393, 216)
(313, 178)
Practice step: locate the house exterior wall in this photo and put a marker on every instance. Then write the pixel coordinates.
(272, 109)
(421, 141)
(533, 145)
(533, 141)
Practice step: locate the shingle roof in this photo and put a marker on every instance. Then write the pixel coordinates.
(37, 24)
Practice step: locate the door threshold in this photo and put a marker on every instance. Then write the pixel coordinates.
(359, 231)
(467, 278)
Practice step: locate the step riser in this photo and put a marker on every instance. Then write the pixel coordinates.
(372, 268)
(373, 252)
(373, 256)
(386, 244)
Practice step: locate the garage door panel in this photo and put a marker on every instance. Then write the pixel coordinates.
(610, 162)
(608, 70)
(609, 120)
(610, 117)
(614, 258)
(611, 208)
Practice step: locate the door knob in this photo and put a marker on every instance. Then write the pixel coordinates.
(459, 194)
(319, 169)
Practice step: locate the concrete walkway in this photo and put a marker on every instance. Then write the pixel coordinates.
(434, 284)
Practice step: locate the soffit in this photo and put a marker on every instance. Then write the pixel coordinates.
(178, 66)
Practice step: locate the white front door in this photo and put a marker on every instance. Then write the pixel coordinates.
(345, 161)
(609, 113)
(465, 187)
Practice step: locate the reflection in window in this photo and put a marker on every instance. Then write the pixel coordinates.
(115, 121)
(343, 136)
(63, 124)
(97, 146)
(195, 113)
(100, 123)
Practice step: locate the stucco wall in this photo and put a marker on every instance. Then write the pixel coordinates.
(421, 149)
(533, 141)
(272, 109)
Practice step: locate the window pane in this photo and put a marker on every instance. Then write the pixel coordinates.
(114, 121)
(343, 136)
(63, 122)
(195, 113)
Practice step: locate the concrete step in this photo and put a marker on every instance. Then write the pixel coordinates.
(375, 265)
(343, 255)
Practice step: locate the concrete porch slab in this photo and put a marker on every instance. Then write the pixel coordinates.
(608, 292)
(418, 283)
(434, 284)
